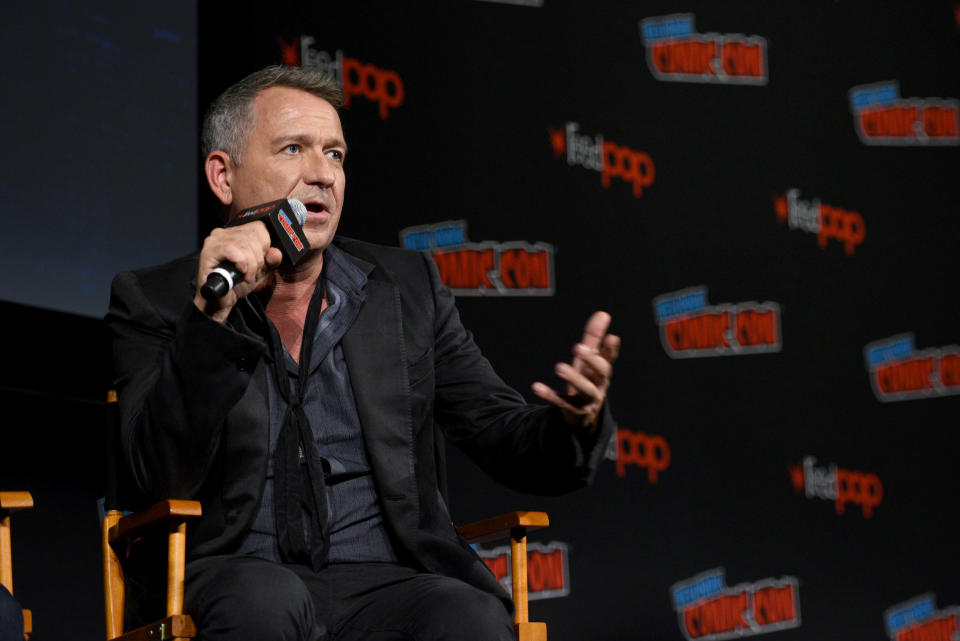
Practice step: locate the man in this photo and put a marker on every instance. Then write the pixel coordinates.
(300, 407)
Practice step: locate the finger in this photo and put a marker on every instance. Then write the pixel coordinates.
(593, 332)
(257, 242)
(245, 246)
(610, 349)
(273, 257)
(595, 329)
(255, 233)
(592, 363)
(548, 394)
(578, 384)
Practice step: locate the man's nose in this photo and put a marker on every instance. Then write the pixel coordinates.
(320, 170)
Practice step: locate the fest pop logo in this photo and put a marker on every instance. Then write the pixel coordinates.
(612, 160)
(357, 79)
(826, 221)
(842, 486)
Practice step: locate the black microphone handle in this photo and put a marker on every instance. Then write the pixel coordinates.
(285, 233)
(221, 280)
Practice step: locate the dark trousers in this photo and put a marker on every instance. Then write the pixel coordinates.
(247, 598)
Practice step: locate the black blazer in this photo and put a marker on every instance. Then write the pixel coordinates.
(194, 420)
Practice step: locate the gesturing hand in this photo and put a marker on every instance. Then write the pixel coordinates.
(587, 377)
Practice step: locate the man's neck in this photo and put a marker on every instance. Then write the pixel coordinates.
(295, 283)
(286, 301)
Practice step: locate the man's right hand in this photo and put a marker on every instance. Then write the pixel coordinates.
(248, 248)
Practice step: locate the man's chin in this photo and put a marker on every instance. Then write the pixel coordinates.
(320, 238)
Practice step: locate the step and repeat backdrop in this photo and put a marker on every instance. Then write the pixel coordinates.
(763, 195)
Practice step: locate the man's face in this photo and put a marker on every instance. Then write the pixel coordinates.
(296, 150)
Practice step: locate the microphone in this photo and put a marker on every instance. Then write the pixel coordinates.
(284, 220)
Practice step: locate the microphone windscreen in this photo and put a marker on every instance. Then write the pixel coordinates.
(299, 210)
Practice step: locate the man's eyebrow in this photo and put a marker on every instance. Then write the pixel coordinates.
(291, 138)
(339, 142)
(307, 139)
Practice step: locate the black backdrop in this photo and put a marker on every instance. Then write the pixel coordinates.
(500, 105)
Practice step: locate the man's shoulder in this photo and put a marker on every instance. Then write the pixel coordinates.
(183, 265)
(382, 261)
(363, 249)
(171, 283)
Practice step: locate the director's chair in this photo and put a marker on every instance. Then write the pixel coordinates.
(11, 502)
(170, 517)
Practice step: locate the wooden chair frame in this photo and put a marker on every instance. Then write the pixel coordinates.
(514, 525)
(172, 515)
(118, 529)
(11, 502)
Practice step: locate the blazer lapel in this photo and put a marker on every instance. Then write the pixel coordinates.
(377, 362)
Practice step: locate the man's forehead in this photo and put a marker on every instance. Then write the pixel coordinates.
(277, 105)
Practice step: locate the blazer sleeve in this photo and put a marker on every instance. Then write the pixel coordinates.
(177, 374)
(529, 448)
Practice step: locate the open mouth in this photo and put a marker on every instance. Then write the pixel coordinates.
(315, 208)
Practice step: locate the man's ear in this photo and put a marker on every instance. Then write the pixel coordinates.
(219, 169)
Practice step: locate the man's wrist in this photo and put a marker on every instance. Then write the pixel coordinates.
(211, 309)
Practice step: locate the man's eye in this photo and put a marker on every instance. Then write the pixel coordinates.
(336, 155)
(292, 148)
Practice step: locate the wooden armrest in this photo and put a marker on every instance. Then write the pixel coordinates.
(501, 527)
(514, 526)
(172, 513)
(15, 501)
(135, 523)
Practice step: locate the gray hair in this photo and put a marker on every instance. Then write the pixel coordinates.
(229, 120)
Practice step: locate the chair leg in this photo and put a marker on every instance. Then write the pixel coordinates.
(114, 585)
(176, 559)
(523, 628)
(518, 559)
(6, 566)
(530, 631)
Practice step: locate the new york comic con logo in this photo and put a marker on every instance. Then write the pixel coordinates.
(486, 268)
(358, 79)
(826, 221)
(919, 620)
(677, 53)
(842, 486)
(900, 372)
(609, 158)
(690, 328)
(882, 117)
(547, 575)
(708, 609)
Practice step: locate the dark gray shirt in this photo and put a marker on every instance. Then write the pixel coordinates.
(356, 528)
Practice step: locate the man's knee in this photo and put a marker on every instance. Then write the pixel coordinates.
(243, 598)
(460, 611)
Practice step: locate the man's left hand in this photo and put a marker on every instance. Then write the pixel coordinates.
(587, 376)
